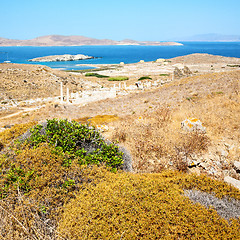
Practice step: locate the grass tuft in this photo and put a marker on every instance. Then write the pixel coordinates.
(118, 78)
(95, 75)
(144, 78)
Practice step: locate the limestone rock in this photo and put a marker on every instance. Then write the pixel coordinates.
(160, 60)
(193, 124)
(236, 165)
(127, 159)
(226, 207)
(186, 71)
(204, 165)
(102, 128)
(177, 73)
(232, 181)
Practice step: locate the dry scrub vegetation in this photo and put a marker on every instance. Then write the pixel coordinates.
(155, 138)
(43, 196)
(148, 206)
(155, 141)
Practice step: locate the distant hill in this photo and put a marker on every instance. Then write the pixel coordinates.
(212, 37)
(59, 40)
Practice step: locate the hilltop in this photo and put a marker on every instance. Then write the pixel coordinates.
(59, 40)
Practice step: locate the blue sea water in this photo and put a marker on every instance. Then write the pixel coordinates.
(117, 54)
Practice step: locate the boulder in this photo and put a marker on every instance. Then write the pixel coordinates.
(232, 181)
(177, 73)
(236, 165)
(160, 60)
(102, 128)
(193, 124)
(186, 71)
(127, 159)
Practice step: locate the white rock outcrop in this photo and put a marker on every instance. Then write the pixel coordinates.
(61, 58)
(193, 124)
(236, 165)
(232, 181)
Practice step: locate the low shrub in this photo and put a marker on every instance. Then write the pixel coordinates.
(77, 141)
(144, 78)
(41, 192)
(12, 133)
(44, 169)
(164, 75)
(194, 142)
(34, 214)
(142, 206)
(118, 78)
(95, 75)
(233, 65)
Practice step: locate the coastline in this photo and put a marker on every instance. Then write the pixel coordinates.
(79, 45)
(60, 40)
(114, 54)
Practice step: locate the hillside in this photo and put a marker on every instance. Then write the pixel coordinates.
(208, 91)
(66, 186)
(59, 40)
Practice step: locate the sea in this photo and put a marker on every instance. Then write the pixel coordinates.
(115, 54)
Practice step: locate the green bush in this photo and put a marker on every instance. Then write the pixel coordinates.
(145, 77)
(118, 78)
(164, 74)
(95, 75)
(77, 141)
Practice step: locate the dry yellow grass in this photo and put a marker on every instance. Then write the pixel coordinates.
(155, 137)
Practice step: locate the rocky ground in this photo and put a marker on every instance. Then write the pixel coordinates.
(199, 85)
(197, 63)
(61, 58)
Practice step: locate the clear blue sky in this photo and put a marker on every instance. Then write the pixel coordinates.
(135, 19)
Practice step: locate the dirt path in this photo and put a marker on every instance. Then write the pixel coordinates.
(25, 110)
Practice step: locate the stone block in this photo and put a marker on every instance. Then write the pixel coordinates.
(232, 181)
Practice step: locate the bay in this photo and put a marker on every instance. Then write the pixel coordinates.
(116, 54)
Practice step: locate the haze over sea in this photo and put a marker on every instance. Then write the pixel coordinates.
(116, 54)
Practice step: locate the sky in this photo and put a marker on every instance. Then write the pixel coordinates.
(143, 20)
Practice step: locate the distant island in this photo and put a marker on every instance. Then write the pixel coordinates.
(59, 40)
(61, 58)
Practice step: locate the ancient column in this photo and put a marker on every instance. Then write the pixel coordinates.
(67, 95)
(61, 92)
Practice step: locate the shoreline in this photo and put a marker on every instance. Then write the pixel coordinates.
(129, 54)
